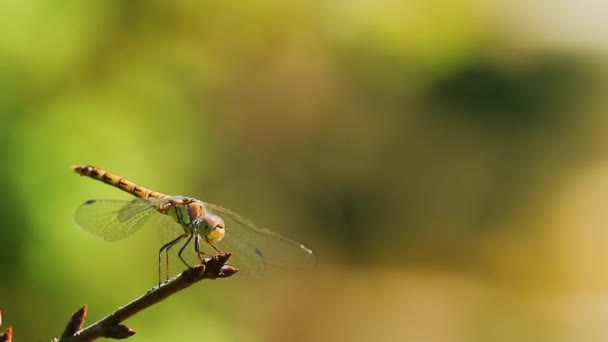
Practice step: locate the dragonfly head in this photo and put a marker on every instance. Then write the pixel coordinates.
(214, 228)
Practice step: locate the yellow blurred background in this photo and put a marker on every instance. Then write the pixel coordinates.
(446, 160)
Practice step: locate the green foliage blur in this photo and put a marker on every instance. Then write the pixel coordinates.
(445, 160)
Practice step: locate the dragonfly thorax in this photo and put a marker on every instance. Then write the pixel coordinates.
(188, 214)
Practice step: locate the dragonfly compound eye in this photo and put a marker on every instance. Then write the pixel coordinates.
(216, 225)
(214, 222)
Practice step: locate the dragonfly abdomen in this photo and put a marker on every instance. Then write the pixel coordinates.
(117, 181)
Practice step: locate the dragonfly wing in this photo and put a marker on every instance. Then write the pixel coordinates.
(113, 220)
(256, 248)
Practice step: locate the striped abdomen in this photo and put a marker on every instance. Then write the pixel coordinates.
(117, 181)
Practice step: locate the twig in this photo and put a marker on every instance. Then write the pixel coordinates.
(110, 327)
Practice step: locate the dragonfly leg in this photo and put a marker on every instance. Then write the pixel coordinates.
(214, 247)
(181, 250)
(166, 248)
(197, 248)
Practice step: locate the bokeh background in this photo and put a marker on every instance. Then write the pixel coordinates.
(447, 160)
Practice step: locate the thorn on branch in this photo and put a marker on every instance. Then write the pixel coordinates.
(7, 336)
(118, 332)
(76, 322)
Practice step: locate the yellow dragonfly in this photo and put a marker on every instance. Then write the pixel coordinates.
(190, 220)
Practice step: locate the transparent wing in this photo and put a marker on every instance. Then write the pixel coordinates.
(113, 220)
(256, 248)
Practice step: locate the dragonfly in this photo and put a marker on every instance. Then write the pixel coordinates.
(188, 222)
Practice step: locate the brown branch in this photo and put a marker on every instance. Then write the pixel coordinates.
(110, 327)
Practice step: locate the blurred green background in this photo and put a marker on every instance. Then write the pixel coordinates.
(446, 160)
